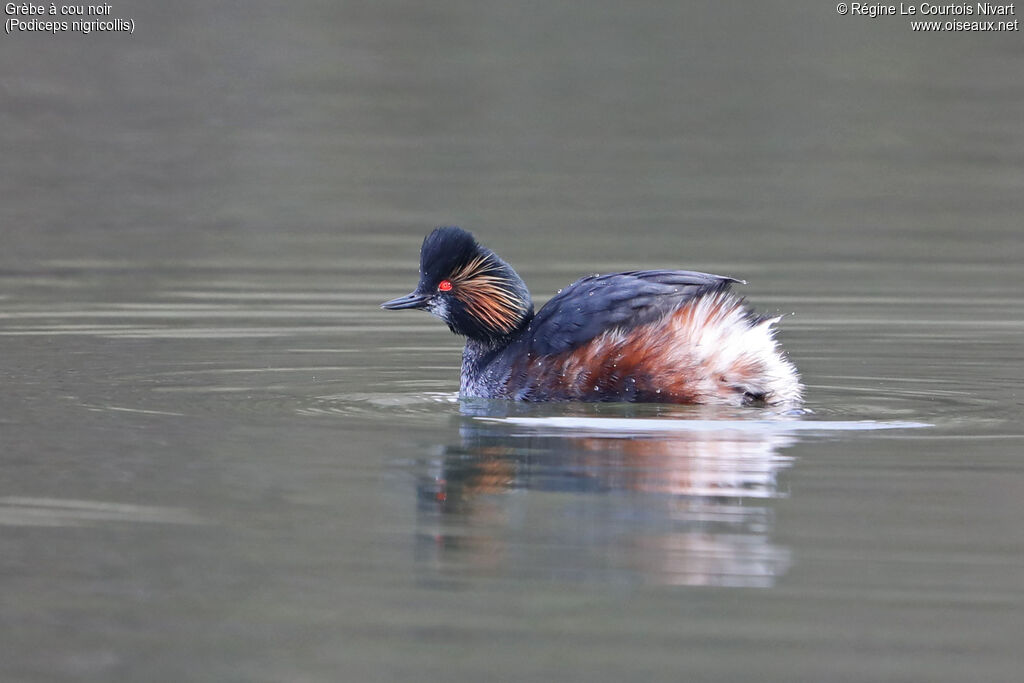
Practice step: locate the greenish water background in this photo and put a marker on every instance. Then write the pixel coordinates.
(221, 461)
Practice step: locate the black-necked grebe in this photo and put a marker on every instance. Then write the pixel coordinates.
(659, 336)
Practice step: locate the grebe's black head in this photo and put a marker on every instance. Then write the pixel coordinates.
(469, 287)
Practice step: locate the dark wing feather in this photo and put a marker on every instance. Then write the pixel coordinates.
(597, 303)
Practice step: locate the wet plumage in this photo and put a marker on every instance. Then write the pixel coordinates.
(652, 336)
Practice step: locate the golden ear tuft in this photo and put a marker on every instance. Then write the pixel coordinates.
(487, 295)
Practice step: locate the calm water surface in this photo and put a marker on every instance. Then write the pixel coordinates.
(221, 461)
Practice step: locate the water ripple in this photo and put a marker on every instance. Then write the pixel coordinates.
(625, 427)
(378, 404)
(59, 512)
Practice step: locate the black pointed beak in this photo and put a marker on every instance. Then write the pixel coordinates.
(414, 300)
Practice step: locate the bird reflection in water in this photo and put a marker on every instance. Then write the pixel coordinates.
(586, 503)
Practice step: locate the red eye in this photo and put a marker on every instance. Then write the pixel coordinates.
(444, 286)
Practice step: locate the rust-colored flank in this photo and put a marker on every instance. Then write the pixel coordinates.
(676, 359)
